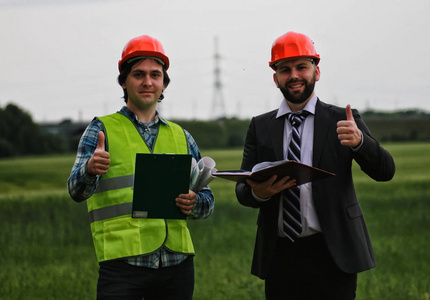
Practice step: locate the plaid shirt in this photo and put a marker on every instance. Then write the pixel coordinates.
(81, 185)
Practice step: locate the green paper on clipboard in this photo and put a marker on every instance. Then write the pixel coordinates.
(159, 179)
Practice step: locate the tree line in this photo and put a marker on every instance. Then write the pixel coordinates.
(20, 136)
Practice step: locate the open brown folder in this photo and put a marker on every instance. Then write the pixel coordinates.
(158, 181)
(300, 172)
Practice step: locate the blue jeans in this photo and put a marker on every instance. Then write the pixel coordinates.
(120, 280)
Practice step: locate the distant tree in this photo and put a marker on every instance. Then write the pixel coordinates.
(19, 135)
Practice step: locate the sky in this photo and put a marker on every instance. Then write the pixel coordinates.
(59, 59)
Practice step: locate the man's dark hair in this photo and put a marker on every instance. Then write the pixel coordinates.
(126, 69)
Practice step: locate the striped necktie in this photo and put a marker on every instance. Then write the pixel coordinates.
(291, 200)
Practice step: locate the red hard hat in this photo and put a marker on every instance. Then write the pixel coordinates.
(293, 45)
(143, 46)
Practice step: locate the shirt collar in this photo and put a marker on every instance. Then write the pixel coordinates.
(131, 115)
(285, 109)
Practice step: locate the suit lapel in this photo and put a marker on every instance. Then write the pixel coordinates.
(276, 129)
(322, 121)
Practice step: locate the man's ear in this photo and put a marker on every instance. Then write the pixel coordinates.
(317, 73)
(275, 80)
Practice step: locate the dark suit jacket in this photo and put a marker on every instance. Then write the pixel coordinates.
(338, 210)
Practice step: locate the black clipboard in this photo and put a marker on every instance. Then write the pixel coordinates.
(158, 180)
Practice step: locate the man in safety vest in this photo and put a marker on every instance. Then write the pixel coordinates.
(138, 258)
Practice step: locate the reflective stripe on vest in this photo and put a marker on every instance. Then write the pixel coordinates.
(110, 212)
(115, 183)
(115, 233)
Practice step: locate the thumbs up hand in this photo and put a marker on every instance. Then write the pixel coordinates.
(98, 164)
(348, 132)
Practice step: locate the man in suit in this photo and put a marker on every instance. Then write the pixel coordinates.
(319, 256)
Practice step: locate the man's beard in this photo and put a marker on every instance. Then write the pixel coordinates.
(301, 97)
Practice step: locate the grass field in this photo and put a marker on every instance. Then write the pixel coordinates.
(47, 252)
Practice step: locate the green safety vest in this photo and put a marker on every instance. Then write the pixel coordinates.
(115, 233)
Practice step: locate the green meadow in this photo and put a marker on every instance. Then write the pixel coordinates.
(47, 252)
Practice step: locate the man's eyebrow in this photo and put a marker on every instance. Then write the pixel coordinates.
(301, 64)
(145, 71)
